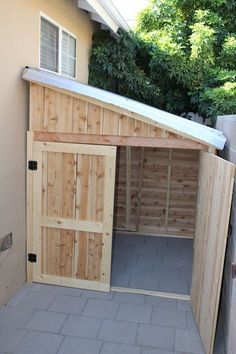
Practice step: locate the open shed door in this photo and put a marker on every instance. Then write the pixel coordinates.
(213, 211)
(72, 199)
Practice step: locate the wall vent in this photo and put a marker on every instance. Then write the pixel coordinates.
(6, 242)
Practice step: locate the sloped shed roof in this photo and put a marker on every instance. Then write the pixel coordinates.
(135, 109)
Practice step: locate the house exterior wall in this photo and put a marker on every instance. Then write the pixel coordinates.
(227, 124)
(19, 40)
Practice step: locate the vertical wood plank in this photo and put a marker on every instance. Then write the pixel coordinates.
(54, 209)
(108, 205)
(30, 219)
(140, 181)
(37, 202)
(36, 107)
(128, 182)
(110, 123)
(95, 117)
(64, 124)
(44, 208)
(126, 126)
(168, 190)
(82, 203)
(80, 112)
(68, 211)
(51, 110)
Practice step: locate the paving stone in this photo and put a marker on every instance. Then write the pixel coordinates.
(120, 279)
(146, 249)
(191, 324)
(46, 321)
(119, 266)
(143, 282)
(165, 272)
(114, 348)
(169, 251)
(81, 326)
(146, 259)
(169, 317)
(184, 305)
(139, 268)
(178, 262)
(100, 308)
(185, 273)
(156, 241)
(188, 341)
(157, 351)
(10, 338)
(118, 332)
(14, 301)
(178, 286)
(134, 313)
(160, 351)
(73, 345)
(129, 298)
(98, 295)
(68, 304)
(156, 336)
(33, 300)
(157, 301)
(39, 343)
(57, 290)
(180, 242)
(15, 317)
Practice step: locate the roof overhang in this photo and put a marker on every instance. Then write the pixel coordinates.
(105, 13)
(147, 114)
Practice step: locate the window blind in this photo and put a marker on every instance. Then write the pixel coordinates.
(49, 45)
(68, 54)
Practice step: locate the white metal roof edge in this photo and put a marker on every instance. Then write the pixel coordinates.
(193, 130)
(104, 12)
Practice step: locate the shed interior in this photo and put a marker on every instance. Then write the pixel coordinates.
(154, 218)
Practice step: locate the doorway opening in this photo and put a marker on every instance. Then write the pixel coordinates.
(154, 220)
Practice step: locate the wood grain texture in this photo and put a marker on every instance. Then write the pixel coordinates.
(57, 112)
(214, 201)
(115, 140)
(72, 188)
(163, 193)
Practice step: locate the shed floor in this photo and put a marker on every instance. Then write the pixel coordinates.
(46, 319)
(152, 263)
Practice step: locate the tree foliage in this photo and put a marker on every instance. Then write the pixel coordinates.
(181, 58)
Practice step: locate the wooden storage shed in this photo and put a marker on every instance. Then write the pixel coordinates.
(98, 161)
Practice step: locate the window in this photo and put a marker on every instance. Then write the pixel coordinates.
(57, 49)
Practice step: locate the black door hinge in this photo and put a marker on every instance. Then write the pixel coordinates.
(32, 257)
(32, 165)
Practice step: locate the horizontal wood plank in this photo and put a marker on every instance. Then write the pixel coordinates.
(118, 140)
(71, 224)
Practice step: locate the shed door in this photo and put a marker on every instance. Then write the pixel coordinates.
(73, 193)
(214, 202)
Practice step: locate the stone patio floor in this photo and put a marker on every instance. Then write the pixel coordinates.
(45, 319)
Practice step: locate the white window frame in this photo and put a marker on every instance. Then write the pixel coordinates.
(60, 28)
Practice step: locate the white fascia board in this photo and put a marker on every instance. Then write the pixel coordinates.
(102, 12)
(165, 120)
(105, 10)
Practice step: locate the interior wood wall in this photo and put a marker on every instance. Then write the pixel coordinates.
(156, 190)
(52, 111)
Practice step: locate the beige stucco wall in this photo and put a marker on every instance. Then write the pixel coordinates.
(19, 43)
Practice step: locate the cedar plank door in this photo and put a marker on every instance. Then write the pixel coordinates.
(73, 196)
(212, 220)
